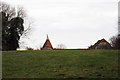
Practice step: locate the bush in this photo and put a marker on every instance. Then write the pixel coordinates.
(28, 48)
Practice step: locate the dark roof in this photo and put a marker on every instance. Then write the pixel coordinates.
(99, 41)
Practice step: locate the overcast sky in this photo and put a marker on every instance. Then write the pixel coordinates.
(74, 23)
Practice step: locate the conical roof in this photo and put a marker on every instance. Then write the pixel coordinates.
(47, 45)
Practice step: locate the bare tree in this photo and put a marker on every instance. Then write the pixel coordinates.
(25, 36)
(115, 42)
(12, 12)
(21, 12)
(60, 46)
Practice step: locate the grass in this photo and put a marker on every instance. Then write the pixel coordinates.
(60, 64)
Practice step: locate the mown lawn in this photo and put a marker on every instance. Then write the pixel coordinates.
(60, 64)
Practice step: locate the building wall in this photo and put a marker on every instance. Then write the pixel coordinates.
(103, 45)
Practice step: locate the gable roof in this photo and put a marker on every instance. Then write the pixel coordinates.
(99, 41)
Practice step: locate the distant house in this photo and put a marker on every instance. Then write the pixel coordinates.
(101, 44)
(47, 45)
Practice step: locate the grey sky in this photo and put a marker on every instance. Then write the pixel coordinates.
(74, 23)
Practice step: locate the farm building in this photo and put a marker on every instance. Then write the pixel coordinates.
(101, 44)
(47, 45)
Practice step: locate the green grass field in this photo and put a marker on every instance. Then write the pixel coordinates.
(60, 64)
